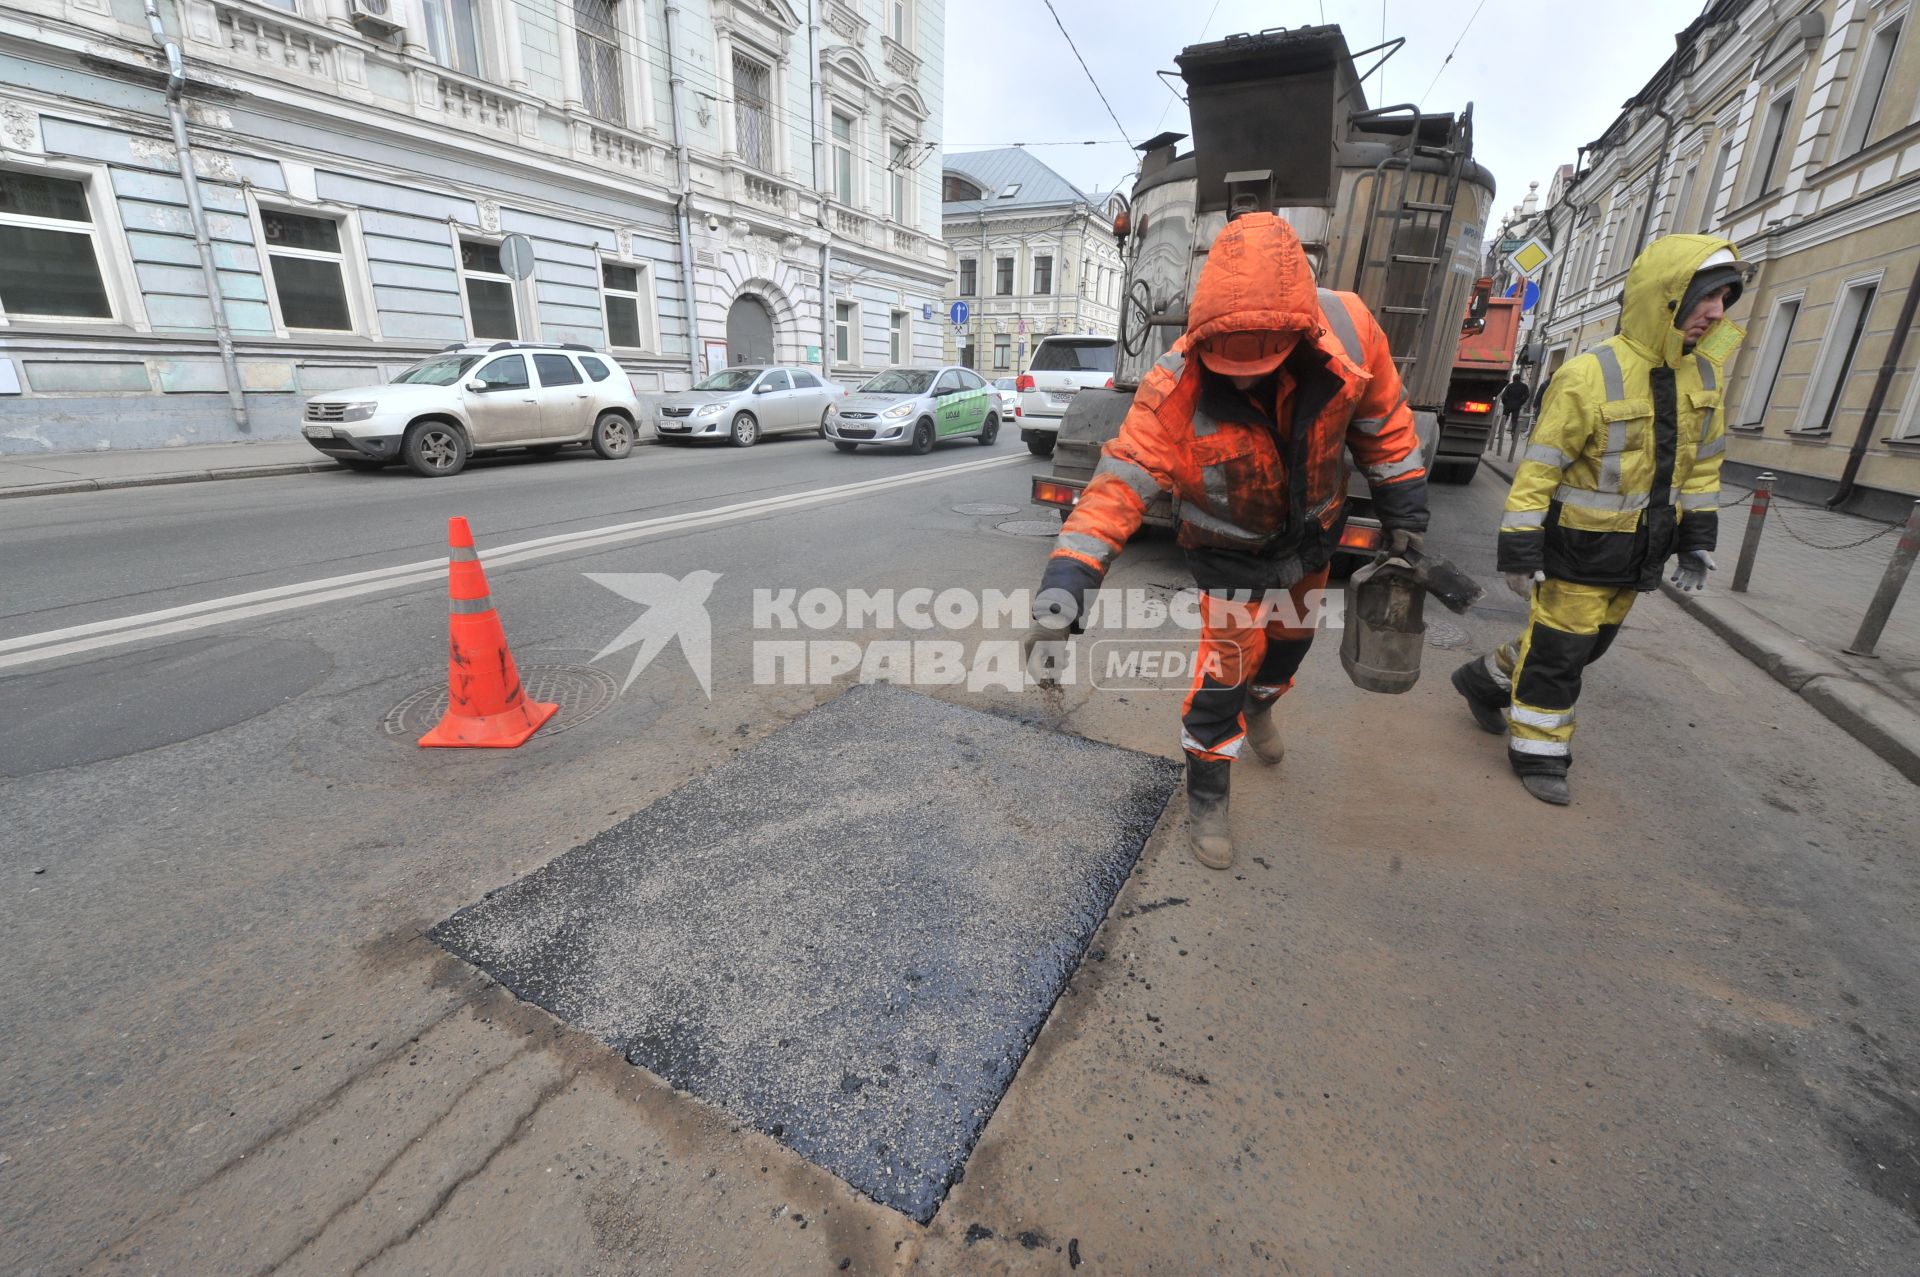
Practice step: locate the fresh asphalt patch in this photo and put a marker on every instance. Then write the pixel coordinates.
(845, 936)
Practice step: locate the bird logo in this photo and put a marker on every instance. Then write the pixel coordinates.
(676, 608)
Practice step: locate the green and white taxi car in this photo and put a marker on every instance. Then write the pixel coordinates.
(918, 407)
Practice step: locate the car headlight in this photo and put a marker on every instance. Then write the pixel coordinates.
(359, 412)
(708, 410)
(899, 410)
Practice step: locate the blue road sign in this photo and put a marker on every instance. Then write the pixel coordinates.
(926, 310)
(1533, 295)
(959, 313)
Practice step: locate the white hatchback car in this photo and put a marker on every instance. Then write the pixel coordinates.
(744, 405)
(1062, 367)
(479, 398)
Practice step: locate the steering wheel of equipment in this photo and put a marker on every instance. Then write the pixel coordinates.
(1136, 318)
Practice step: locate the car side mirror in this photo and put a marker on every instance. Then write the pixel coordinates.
(477, 387)
(762, 388)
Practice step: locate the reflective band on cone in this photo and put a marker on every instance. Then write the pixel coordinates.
(486, 706)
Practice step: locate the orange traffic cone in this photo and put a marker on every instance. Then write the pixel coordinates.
(486, 707)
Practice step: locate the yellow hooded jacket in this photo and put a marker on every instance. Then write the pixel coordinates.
(1623, 468)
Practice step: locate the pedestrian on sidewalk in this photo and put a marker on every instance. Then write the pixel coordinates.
(1246, 420)
(1622, 471)
(1513, 399)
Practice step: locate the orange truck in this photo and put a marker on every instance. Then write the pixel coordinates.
(1489, 340)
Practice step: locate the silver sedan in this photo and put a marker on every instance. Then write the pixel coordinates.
(744, 404)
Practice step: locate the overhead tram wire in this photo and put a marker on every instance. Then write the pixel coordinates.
(1083, 66)
(1456, 47)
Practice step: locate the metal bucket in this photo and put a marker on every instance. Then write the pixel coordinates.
(1385, 633)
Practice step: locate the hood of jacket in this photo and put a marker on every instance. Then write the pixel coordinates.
(1256, 278)
(1655, 287)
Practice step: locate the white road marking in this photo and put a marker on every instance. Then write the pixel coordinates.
(119, 631)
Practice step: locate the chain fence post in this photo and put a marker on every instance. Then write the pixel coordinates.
(1756, 518)
(1890, 585)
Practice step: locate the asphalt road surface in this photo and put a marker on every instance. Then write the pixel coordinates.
(1426, 1025)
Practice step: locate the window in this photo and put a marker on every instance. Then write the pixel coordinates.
(843, 158)
(596, 28)
(843, 331)
(1089, 354)
(1773, 136)
(970, 380)
(958, 189)
(1831, 384)
(1003, 276)
(595, 369)
(453, 39)
(805, 381)
(949, 380)
(620, 286)
(899, 339)
(1871, 87)
(1086, 275)
(969, 277)
(900, 22)
(753, 112)
(1042, 276)
(1683, 201)
(1010, 190)
(898, 151)
(556, 370)
(966, 351)
(1720, 162)
(309, 274)
(1773, 353)
(777, 380)
(1002, 352)
(49, 258)
(491, 306)
(509, 372)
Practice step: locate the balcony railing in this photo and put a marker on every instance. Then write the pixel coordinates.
(471, 105)
(283, 46)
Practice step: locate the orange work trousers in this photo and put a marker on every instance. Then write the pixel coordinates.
(1247, 649)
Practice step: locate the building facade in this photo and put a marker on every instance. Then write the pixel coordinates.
(377, 179)
(1793, 128)
(1033, 255)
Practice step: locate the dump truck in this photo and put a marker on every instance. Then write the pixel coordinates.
(1489, 340)
(1387, 201)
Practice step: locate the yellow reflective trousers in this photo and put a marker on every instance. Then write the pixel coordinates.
(1569, 627)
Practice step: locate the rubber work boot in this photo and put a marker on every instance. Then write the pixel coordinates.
(1207, 831)
(1549, 789)
(1467, 681)
(1263, 731)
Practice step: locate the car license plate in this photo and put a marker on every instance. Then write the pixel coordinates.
(673, 427)
(319, 432)
(1062, 396)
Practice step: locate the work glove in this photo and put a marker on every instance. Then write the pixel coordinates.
(1690, 571)
(1522, 583)
(1043, 648)
(1402, 542)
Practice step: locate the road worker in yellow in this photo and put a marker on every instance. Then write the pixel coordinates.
(1622, 472)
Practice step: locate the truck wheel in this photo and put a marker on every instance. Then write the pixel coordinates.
(1456, 471)
(1040, 445)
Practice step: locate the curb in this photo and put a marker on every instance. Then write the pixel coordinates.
(1878, 721)
(61, 487)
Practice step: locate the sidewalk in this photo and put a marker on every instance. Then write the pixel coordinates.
(53, 473)
(1813, 575)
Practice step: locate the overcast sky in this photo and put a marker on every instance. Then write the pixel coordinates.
(1544, 76)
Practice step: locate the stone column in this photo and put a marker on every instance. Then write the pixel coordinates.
(571, 95)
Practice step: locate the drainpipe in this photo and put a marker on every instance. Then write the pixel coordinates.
(816, 108)
(197, 214)
(1574, 214)
(1659, 175)
(683, 169)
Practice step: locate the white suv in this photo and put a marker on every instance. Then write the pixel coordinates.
(1062, 367)
(479, 397)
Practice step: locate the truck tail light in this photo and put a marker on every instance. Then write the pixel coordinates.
(1047, 492)
(1359, 536)
(1474, 405)
(1023, 383)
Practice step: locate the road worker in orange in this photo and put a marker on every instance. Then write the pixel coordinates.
(1247, 422)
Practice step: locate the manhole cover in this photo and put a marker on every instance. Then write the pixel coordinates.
(1031, 527)
(846, 935)
(579, 690)
(985, 508)
(1446, 634)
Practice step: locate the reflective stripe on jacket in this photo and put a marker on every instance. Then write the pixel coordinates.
(1623, 468)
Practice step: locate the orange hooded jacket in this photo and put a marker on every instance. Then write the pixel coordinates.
(1241, 484)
